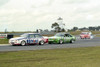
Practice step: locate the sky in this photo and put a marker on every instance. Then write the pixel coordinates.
(29, 15)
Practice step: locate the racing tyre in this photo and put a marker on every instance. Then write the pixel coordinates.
(23, 43)
(81, 38)
(60, 41)
(41, 43)
(12, 44)
(72, 41)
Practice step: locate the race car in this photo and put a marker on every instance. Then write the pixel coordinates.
(86, 35)
(28, 38)
(61, 38)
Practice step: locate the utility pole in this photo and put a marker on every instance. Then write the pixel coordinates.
(5, 31)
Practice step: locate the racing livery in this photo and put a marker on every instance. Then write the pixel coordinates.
(86, 35)
(61, 38)
(28, 38)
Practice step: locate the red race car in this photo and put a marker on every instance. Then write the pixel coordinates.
(86, 35)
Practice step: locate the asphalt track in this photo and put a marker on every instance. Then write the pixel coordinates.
(77, 44)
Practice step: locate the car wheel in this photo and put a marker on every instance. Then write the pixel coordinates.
(72, 41)
(60, 41)
(81, 37)
(41, 43)
(23, 43)
(12, 44)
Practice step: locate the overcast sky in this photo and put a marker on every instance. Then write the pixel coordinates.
(28, 15)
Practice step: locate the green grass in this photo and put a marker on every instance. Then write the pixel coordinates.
(4, 41)
(69, 57)
(97, 35)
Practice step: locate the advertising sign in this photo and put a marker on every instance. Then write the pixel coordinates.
(3, 36)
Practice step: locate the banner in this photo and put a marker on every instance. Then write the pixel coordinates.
(3, 36)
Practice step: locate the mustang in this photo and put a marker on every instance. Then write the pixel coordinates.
(61, 38)
(28, 38)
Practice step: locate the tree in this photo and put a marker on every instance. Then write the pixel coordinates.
(37, 31)
(75, 28)
(92, 28)
(98, 28)
(63, 30)
(83, 29)
(56, 27)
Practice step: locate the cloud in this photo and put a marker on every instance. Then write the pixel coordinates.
(17, 15)
(2, 2)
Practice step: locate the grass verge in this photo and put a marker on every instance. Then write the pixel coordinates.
(97, 35)
(69, 57)
(4, 41)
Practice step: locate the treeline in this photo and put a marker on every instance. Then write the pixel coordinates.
(91, 28)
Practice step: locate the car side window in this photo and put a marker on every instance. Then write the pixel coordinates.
(37, 36)
(62, 35)
(68, 35)
(31, 36)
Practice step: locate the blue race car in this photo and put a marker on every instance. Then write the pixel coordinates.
(28, 38)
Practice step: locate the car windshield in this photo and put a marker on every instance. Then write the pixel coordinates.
(24, 35)
(84, 33)
(59, 34)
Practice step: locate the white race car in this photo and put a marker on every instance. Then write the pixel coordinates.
(28, 38)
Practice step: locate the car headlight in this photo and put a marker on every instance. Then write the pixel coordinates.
(17, 41)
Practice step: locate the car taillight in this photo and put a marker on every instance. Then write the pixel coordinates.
(46, 40)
